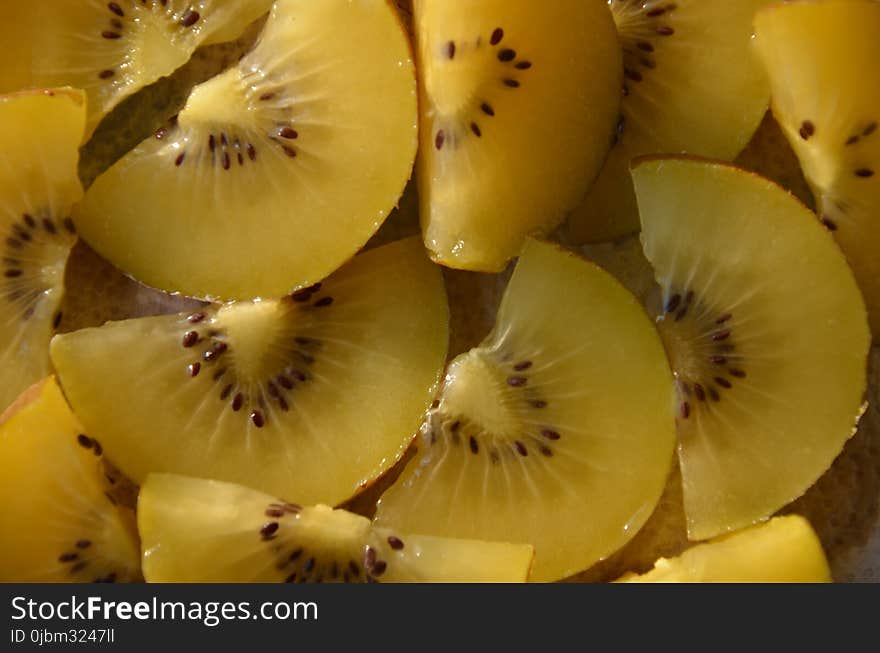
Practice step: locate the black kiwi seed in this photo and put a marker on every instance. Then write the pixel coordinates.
(497, 35)
(439, 139)
(190, 18)
(106, 74)
(506, 55)
(475, 447)
(475, 128)
(395, 542)
(190, 338)
(450, 50)
(379, 568)
(550, 434)
(116, 9)
(107, 34)
(268, 530)
(487, 109)
(521, 448)
(864, 173)
(807, 129)
(516, 381)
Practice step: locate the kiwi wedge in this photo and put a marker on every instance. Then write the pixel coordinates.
(40, 132)
(830, 113)
(60, 521)
(111, 50)
(766, 331)
(691, 84)
(202, 531)
(558, 430)
(519, 103)
(782, 550)
(276, 171)
(309, 397)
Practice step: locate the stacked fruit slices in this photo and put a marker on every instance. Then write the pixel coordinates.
(547, 446)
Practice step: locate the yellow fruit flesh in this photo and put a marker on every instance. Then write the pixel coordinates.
(40, 132)
(830, 114)
(766, 331)
(332, 383)
(278, 170)
(57, 522)
(518, 109)
(558, 430)
(206, 531)
(784, 550)
(692, 85)
(111, 50)
(16, 20)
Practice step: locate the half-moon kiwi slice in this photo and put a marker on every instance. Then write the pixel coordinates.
(691, 84)
(40, 133)
(60, 521)
(767, 333)
(558, 430)
(309, 397)
(276, 171)
(830, 113)
(113, 49)
(783, 550)
(519, 102)
(205, 531)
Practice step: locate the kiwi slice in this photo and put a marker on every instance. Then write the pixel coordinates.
(60, 521)
(309, 397)
(766, 331)
(202, 531)
(40, 132)
(510, 90)
(535, 437)
(783, 550)
(691, 84)
(831, 116)
(276, 171)
(113, 49)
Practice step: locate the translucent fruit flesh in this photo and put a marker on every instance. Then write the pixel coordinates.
(783, 550)
(308, 397)
(276, 171)
(207, 531)
(59, 522)
(40, 132)
(675, 101)
(112, 50)
(830, 114)
(557, 430)
(766, 331)
(509, 89)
